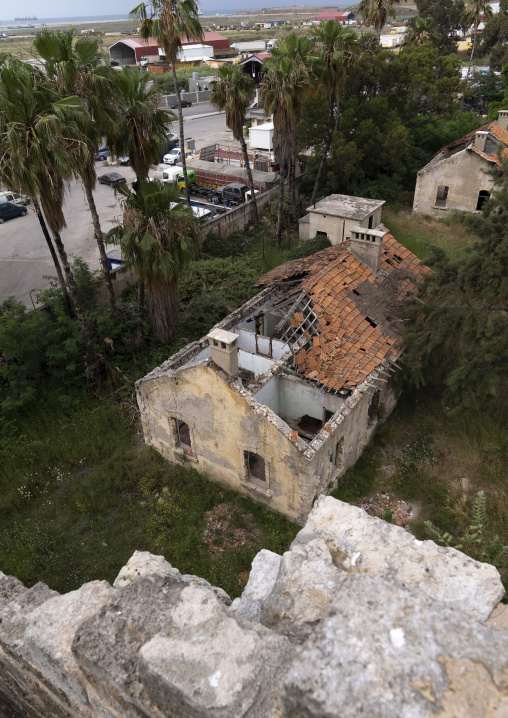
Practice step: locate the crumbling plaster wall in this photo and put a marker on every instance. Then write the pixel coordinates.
(224, 422)
(465, 173)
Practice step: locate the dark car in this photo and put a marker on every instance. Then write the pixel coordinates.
(113, 179)
(102, 153)
(185, 103)
(9, 210)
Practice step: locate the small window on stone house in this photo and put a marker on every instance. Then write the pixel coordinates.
(183, 434)
(338, 454)
(371, 218)
(255, 469)
(483, 196)
(374, 406)
(442, 195)
(319, 233)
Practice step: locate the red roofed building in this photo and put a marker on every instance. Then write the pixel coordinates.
(345, 18)
(129, 51)
(458, 176)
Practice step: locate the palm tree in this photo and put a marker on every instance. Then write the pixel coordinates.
(339, 49)
(77, 68)
(39, 133)
(474, 12)
(231, 93)
(159, 237)
(141, 130)
(289, 79)
(420, 32)
(377, 12)
(171, 22)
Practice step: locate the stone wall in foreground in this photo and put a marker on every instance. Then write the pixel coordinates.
(357, 619)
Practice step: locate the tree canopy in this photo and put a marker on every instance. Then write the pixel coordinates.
(457, 331)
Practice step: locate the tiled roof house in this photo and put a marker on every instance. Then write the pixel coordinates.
(458, 176)
(282, 396)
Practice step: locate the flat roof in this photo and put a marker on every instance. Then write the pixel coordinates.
(221, 335)
(343, 205)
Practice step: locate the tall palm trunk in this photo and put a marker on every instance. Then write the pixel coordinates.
(91, 357)
(141, 297)
(278, 236)
(249, 176)
(294, 203)
(162, 301)
(469, 69)
(182, 135)
(47, 237)
(332, 124)
(102, 251)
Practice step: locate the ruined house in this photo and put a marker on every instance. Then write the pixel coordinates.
(458, 176)
(282, 396)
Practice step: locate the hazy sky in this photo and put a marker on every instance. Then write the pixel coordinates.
(62, 8)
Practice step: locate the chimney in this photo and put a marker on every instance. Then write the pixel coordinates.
(502, 119)
(480, 140)
(367, 245)
(224, 346)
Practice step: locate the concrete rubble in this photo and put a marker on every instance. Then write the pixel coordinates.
(357, 618)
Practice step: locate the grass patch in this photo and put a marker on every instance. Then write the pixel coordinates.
(438, 461)
(420, 232)
(78, 497)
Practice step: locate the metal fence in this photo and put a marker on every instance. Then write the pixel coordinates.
(168, 100)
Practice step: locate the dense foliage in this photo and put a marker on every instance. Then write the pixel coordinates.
(396, 110)
(457, 337)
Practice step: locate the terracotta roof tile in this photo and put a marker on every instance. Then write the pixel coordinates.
(347, 347)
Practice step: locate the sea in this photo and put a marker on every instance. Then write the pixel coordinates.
(209, 9)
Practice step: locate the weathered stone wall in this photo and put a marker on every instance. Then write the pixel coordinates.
(465, 173)
(357, 618)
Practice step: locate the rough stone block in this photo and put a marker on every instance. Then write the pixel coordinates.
(306, 583)
(360, 543)
(147, 565)
(14, 614)
(262, 577)
(206, 664)
(51, 628)
(144, 563)
(385, 651)
(106, 646)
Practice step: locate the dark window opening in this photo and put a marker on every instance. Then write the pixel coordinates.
(374, 406)
(338, 454)
(483, 196)
(370, 222)
(223, 345)
(442, 195)
(184, 437)
(371, 322)
(255, 469)
(321, 234)
(328, 415)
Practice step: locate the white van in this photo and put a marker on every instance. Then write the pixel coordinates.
(13, 197)
(248, 195)
(170, 174)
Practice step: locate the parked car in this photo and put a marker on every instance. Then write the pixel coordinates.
(9, 210)
(113, 179)
(174, 157)
(185, 103)
(102, 153)
(14, 198)
(229, 194)
(123, 161)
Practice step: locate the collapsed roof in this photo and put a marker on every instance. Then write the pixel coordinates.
(496, 136)
(339, 317)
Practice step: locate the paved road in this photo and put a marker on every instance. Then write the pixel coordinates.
(24, 256)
